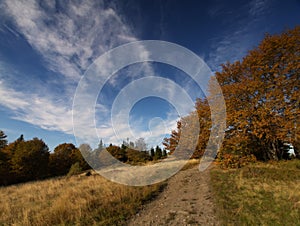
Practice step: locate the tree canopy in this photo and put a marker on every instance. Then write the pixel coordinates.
(3, 141)
(262, 101)
(64, 156)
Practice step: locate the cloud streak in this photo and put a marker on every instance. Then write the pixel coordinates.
(68, 37)
(37, 110)
(238, 38)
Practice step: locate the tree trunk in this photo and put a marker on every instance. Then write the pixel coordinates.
(273, 151)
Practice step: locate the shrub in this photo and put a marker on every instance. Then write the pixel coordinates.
(75, 169)
(234, 161)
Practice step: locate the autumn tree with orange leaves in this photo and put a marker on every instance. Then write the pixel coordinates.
(262, 100)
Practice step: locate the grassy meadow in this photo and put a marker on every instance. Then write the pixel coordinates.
(258, 194)
(76, 200)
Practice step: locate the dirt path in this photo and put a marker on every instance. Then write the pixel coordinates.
(187, 200)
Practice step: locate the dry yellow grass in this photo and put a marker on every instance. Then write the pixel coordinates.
(78, 200)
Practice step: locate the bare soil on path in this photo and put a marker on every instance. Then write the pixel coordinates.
(187, 200)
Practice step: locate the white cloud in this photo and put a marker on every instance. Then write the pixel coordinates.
(37, 110)
(68, 38)
(11, 99)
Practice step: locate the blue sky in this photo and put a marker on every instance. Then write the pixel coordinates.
(47, 46)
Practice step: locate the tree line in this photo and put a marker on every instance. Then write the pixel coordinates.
(129, 152)
(261, 93)
(27, 160)
(133, 156)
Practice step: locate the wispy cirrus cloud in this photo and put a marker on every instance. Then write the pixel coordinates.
(11, 99)
(258, 7)
(68, 36)
(47, 113)
(239, 37)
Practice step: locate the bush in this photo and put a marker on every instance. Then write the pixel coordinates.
(75, 169)
(234, 161)
(135, 156)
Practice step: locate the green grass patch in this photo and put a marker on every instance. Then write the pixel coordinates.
(258, 194)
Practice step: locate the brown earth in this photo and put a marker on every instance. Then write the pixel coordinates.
(187, 200)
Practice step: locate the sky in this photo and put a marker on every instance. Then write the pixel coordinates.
(47, 49)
